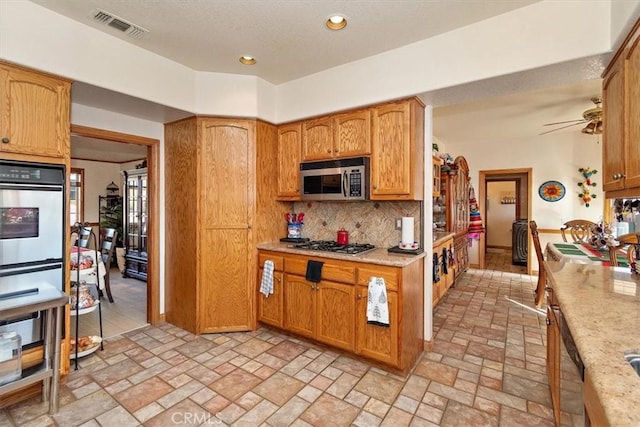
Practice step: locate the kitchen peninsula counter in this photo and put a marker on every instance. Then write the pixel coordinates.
(377, 256)
(601, 306)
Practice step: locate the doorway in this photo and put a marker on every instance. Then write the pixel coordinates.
(153, 233)
(506, 197)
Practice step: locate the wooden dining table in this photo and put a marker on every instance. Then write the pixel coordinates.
(582, 253)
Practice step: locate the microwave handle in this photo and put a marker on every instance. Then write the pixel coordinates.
(345, 180)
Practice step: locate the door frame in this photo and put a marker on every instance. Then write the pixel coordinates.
(505, 175)
(153, 170)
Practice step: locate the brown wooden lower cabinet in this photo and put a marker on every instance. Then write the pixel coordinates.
(594, 412)
(334, 310)
(447, 279)
(553, 360)
(377, 342)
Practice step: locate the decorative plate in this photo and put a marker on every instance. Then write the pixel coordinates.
(551, 191)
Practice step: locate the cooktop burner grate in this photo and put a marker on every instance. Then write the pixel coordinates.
(333, 246)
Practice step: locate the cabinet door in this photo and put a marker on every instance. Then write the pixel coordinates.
(317, 139)
(436, 166)
(391, 154)
(462, 255)
(352, 134)
(374, 341)
(34, 113)
(299, 299)
(632, 80)
(227, 267)
(613, 133)
(270, 308)
(553, 361)
(336, 314)
(289, 149)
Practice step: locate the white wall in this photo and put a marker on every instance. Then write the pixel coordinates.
(500, 216)
(101, 119)
(97, 175)
(556, 157)
(544, 33)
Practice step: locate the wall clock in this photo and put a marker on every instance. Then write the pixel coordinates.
(551, 191)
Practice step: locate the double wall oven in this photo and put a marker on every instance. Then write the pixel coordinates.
(32, 230)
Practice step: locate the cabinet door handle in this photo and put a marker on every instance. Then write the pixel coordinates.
(548, 322)
(359, 296)
(335, 150)
(328, 150)
(5, 140)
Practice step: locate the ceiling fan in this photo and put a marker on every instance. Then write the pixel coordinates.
(592, 117)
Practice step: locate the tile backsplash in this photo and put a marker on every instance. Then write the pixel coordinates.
(366, 222)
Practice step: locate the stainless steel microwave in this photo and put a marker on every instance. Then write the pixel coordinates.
(344, 179)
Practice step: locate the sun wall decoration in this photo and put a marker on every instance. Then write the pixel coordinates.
(586, 184)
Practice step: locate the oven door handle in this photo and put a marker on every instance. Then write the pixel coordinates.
(30, 187)
(13, 270)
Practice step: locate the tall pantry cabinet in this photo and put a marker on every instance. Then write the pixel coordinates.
(220, 201)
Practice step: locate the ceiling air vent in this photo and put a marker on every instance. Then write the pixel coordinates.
(113, 21)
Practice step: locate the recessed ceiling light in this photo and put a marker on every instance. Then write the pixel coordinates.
(336, 22)
(247, 60)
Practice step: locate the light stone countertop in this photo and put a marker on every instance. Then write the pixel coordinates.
(601, 306)
(376, 256)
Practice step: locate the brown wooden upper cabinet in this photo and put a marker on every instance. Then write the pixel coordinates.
(34, 114)
(289, 141)
(397, 151)
(621, 135)
(337, 136)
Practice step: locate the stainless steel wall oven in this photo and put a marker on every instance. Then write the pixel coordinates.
(32, 230)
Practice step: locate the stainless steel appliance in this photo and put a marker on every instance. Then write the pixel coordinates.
(344, 179)
(332, 246)
(32, 225)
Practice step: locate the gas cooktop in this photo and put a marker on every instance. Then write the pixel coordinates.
(332, 246)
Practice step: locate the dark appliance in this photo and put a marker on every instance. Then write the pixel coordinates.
(32, 220)
(519, 233)
(333, 246)
(344, 179)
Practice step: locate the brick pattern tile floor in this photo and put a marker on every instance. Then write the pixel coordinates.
(486, 368)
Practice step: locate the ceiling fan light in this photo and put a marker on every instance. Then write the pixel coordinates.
(598, 130)
(589, 129)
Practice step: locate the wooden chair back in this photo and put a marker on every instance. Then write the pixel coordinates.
(579, 229)
(542, 273)
(108, 238)
(84, 237)
(632, 241)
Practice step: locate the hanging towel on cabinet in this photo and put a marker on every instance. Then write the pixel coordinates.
(266, 285)
(377, 302)
(314, 271)
(445, 262)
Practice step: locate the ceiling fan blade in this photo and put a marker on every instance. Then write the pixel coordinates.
(563, 127)
(568, 121)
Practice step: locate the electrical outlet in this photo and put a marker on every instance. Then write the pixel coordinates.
(398, 223)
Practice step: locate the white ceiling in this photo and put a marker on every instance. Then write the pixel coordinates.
(289, 40)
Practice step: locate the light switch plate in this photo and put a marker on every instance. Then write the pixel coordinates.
(398, 223)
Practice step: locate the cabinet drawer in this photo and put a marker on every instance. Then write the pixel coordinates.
(278, 261)
(333, 272)
(389, 274)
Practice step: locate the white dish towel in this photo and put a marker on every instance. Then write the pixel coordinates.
(266, 285)
(377, 302)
